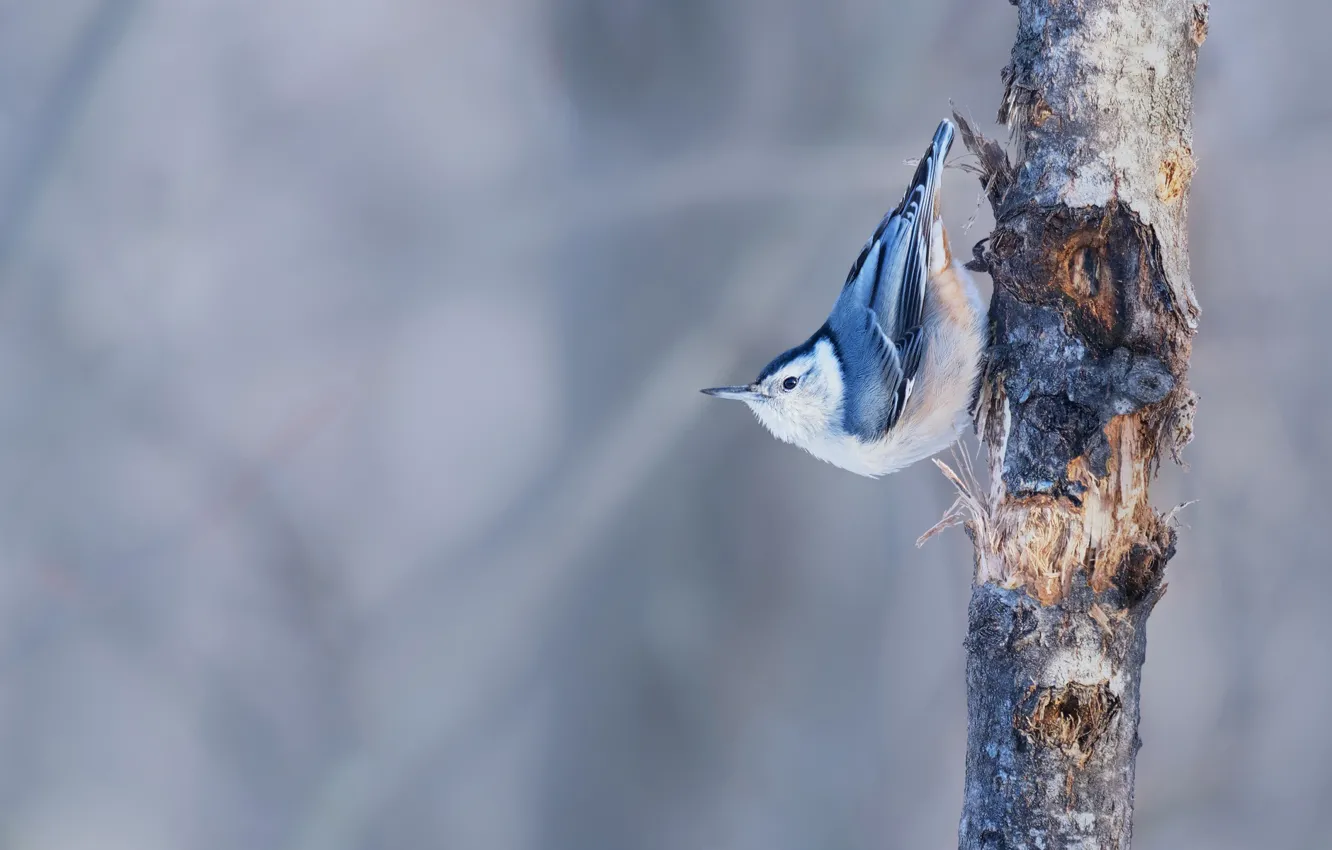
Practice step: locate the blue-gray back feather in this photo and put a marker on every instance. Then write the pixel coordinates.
(877, 318)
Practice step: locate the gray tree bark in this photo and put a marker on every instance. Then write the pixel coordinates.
(1085, 390)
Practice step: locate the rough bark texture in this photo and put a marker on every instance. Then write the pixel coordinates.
(1092, 321)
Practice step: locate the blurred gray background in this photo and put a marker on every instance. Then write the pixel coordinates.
(355, 491)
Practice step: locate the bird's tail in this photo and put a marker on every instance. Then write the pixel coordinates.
(925, 187)
(906, 251)
(929, 173)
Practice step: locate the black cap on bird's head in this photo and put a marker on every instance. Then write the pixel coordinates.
(754, 391)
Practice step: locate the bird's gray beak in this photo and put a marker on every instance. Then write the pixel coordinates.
(748, 393)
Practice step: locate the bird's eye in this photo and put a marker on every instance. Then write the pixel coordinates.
(790, 383)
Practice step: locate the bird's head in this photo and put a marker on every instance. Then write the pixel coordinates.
(798, 396)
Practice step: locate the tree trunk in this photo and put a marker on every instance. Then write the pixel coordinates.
(1085, 390)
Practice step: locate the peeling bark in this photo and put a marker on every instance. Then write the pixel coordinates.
(1085, 390)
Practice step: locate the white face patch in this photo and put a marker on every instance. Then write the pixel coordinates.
(810, 412)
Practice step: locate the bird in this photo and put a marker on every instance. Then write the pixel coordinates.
(890, 377)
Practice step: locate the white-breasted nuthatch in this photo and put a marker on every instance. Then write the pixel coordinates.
(890, 376)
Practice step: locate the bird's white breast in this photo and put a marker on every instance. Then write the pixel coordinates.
(896, 450)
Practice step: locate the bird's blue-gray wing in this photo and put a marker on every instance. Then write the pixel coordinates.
(877, 317)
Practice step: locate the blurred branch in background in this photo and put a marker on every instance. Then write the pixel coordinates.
(502, 614)
(44, 138)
